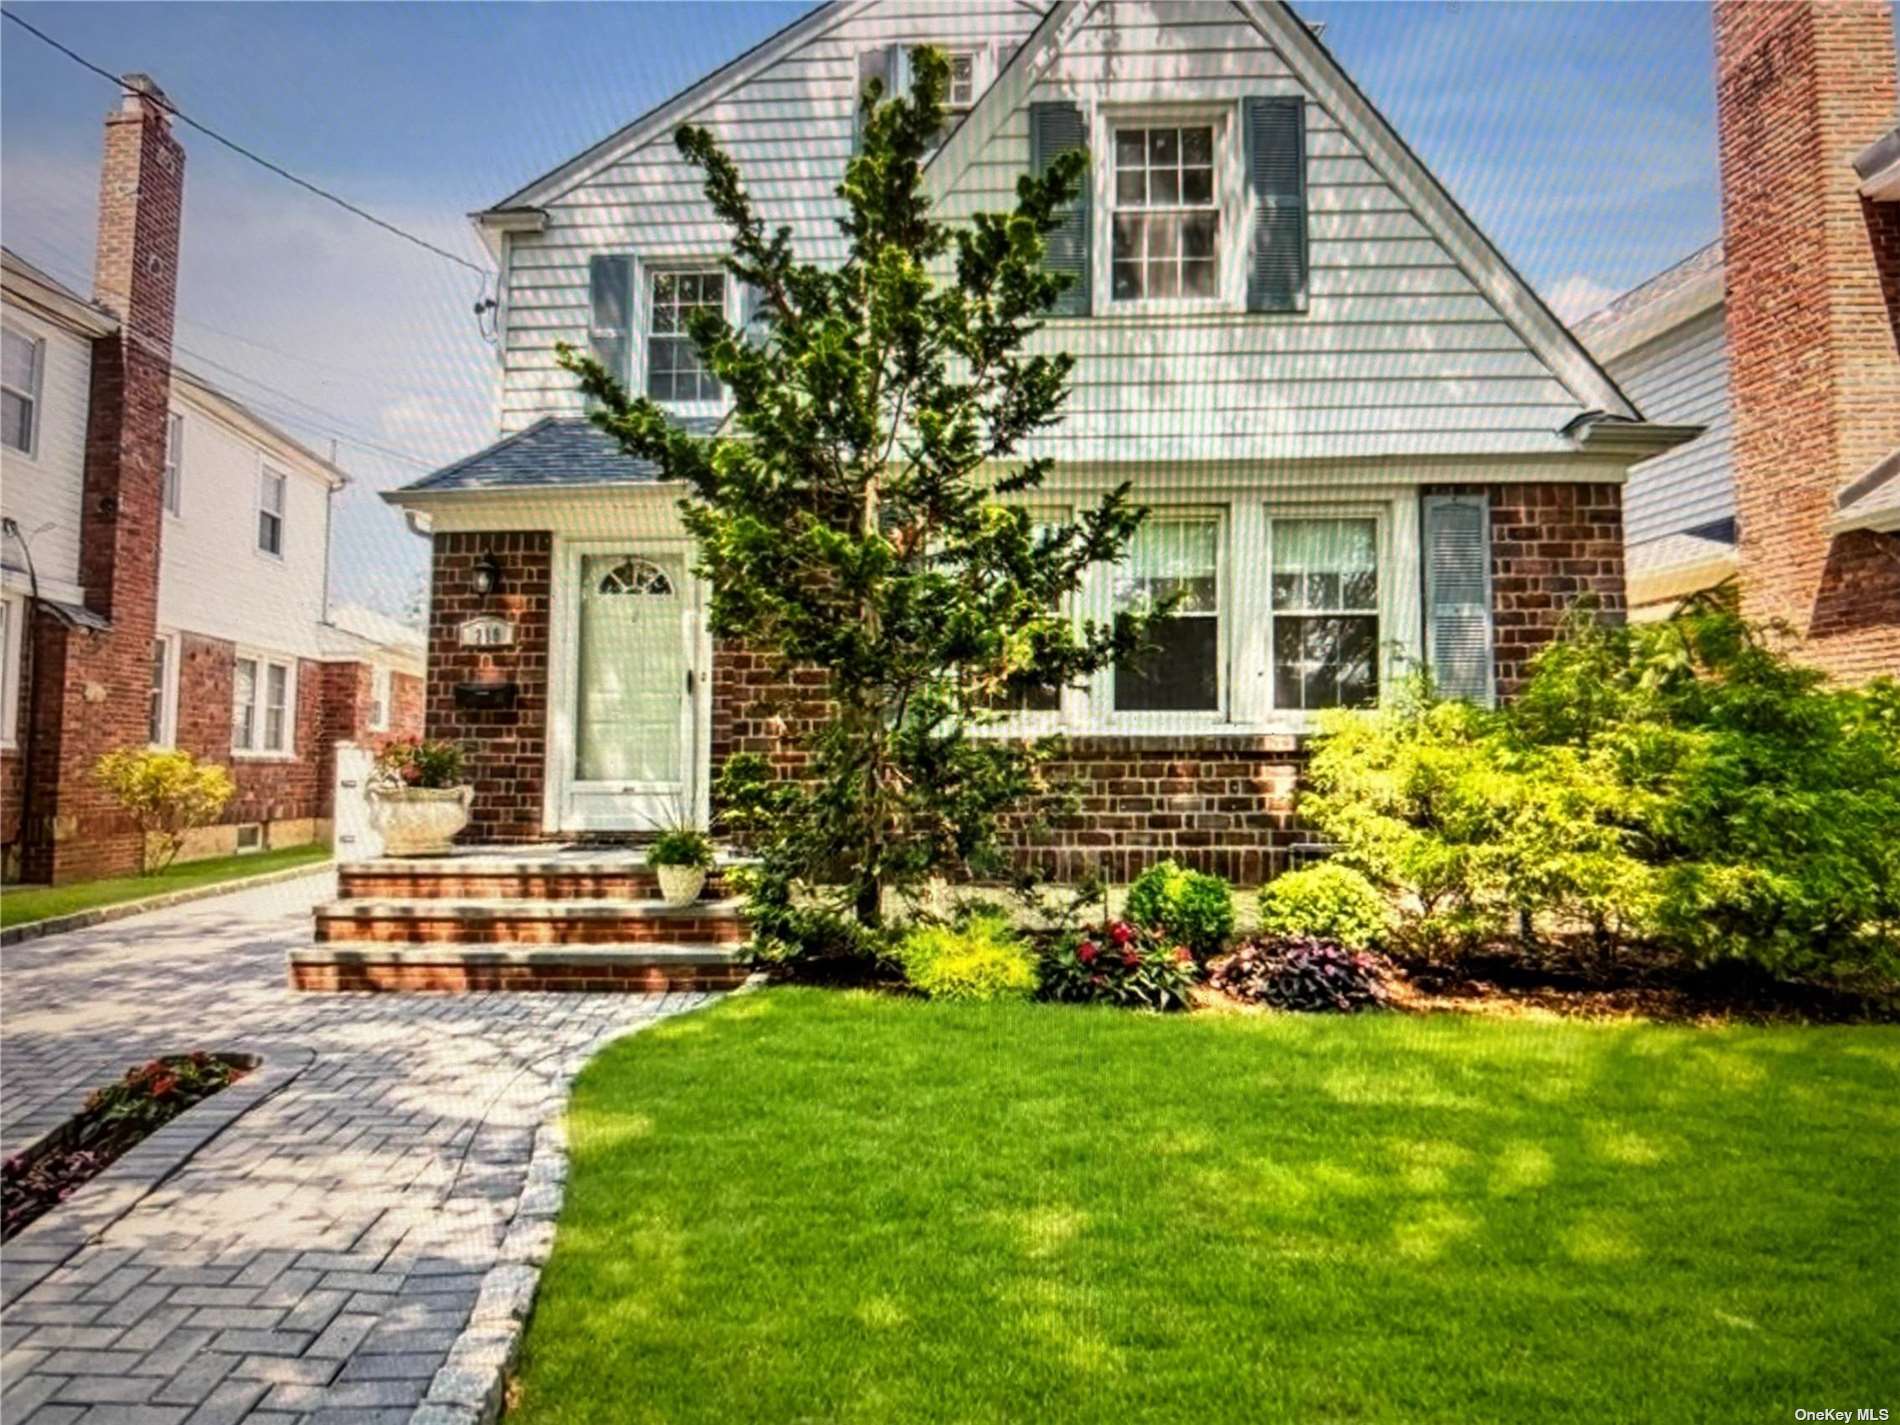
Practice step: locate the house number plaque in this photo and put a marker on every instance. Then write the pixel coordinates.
(487, 632)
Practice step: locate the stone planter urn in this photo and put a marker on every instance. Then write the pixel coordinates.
(419, 821)
(680, 885)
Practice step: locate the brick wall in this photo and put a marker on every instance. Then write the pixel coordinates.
(507, 747)
(1551, 545)
(1883, 239)
(269, 790)
(1813, 369)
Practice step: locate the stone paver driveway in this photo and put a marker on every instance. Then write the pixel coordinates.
(315, 1260)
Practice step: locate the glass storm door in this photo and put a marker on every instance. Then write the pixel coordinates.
(633, 723)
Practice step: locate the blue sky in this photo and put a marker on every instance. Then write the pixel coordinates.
(1580, 136)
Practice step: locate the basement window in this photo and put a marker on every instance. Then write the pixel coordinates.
(250, 837)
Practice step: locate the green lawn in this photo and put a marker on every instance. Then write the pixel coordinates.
(831, 1207)
(20, 904)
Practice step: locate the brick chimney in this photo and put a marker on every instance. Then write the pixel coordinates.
(94, 685)
(1800, 90)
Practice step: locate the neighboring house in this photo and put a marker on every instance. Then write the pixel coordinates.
(1367, 443)
(1666, 345)
(1787, 352)
(163, 571)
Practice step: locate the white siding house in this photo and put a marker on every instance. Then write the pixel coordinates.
(1289, 338)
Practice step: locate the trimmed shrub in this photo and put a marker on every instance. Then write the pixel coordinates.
(167, 793)
(1326, 902)
(1680, 785)
(1302, 973)
(982, 960)
(1124, 964)
(1189, 906)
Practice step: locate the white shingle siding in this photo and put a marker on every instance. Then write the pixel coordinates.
(1399, 353)
(44, 491)
(1680, 376)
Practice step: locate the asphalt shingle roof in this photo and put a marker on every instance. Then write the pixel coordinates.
(554, 452)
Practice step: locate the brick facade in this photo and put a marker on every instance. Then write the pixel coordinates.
(507, 747)
(1883, 240)
(1814, 373)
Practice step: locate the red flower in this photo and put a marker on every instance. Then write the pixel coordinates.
(1183, 954)
(1130, 959)
(1121, 932)
(1097, 980)
(1085, 952)
(162, 1085)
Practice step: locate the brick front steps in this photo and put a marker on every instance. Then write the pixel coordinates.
(623, 969)
(532, 918)
(558, 876)
(424, 921)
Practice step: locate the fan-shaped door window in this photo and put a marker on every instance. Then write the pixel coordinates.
(633, 660)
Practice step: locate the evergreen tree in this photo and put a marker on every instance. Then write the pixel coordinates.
(866, 511)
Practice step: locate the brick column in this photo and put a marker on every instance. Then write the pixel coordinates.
(95, 685)
(1800, 90)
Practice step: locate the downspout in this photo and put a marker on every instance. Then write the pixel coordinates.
(329, 527)
(30, 669)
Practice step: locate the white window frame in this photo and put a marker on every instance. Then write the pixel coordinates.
(168, 691)
(1277, 516)
(35, 398)
(381, 689)
(1073, 709)
(266, 473)
(1230, 292)
(237, 838)
(1101, 597)
(172, 482)
(12, 660)
(647, 271)
(256, 749)
(982, 72)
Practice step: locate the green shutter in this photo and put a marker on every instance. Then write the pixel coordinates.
(1458, 630)
(1276, 173)
(610, 320)
(1055, 127)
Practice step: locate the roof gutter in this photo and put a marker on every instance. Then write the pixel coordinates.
(1602, 434)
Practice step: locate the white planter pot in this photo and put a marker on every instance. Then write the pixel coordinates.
(681, 885)
(419, 821)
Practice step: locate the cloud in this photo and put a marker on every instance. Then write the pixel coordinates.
(1577, 296)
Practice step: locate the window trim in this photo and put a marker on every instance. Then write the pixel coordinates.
(1073, 708)
(1380, 562)
(1230, 294)
(12, 663)
(171, 480)
(36, 398)
(382, 687)
(255, 750)
(267, 472)
(650, 268)
(1104, 714)
(168, 693)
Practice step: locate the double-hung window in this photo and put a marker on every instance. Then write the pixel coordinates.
(1174, 555)
(22, 366)
(379, 700)
(1166, 218)
(271, 489)
(1325, 593)
(174, 463)
(261, 719)
(162, 704)
(675, 373)
(12, 635)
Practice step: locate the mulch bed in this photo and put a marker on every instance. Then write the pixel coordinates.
(114, 1120)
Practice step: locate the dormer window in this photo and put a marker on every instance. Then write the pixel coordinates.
(1166, 221)
(675, 373)
(961, 94)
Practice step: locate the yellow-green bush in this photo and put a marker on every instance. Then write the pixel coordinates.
(167, 792)
(983, 959)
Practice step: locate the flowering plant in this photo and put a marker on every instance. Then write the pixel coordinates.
(1298, 972)
(420, 762)
(1122, 963)
(153, 1092)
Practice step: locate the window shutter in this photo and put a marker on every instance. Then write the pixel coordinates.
(1458, 634)
(1055, 127)
(610, 324)
(1276, 171)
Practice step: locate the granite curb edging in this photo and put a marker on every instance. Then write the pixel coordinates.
(468, 1388)
(50, 1241)
(125, 910)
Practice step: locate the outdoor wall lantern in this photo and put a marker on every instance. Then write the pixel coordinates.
(487, 576)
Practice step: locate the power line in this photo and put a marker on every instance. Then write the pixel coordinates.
(244, 152)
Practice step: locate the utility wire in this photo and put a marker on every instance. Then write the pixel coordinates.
(244, 152)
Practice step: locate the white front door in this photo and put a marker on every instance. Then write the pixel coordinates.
(633, 750)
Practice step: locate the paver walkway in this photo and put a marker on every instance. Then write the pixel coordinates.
(315, 1260)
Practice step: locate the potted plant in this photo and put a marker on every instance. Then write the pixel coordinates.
(417, 798)
(681, 856)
